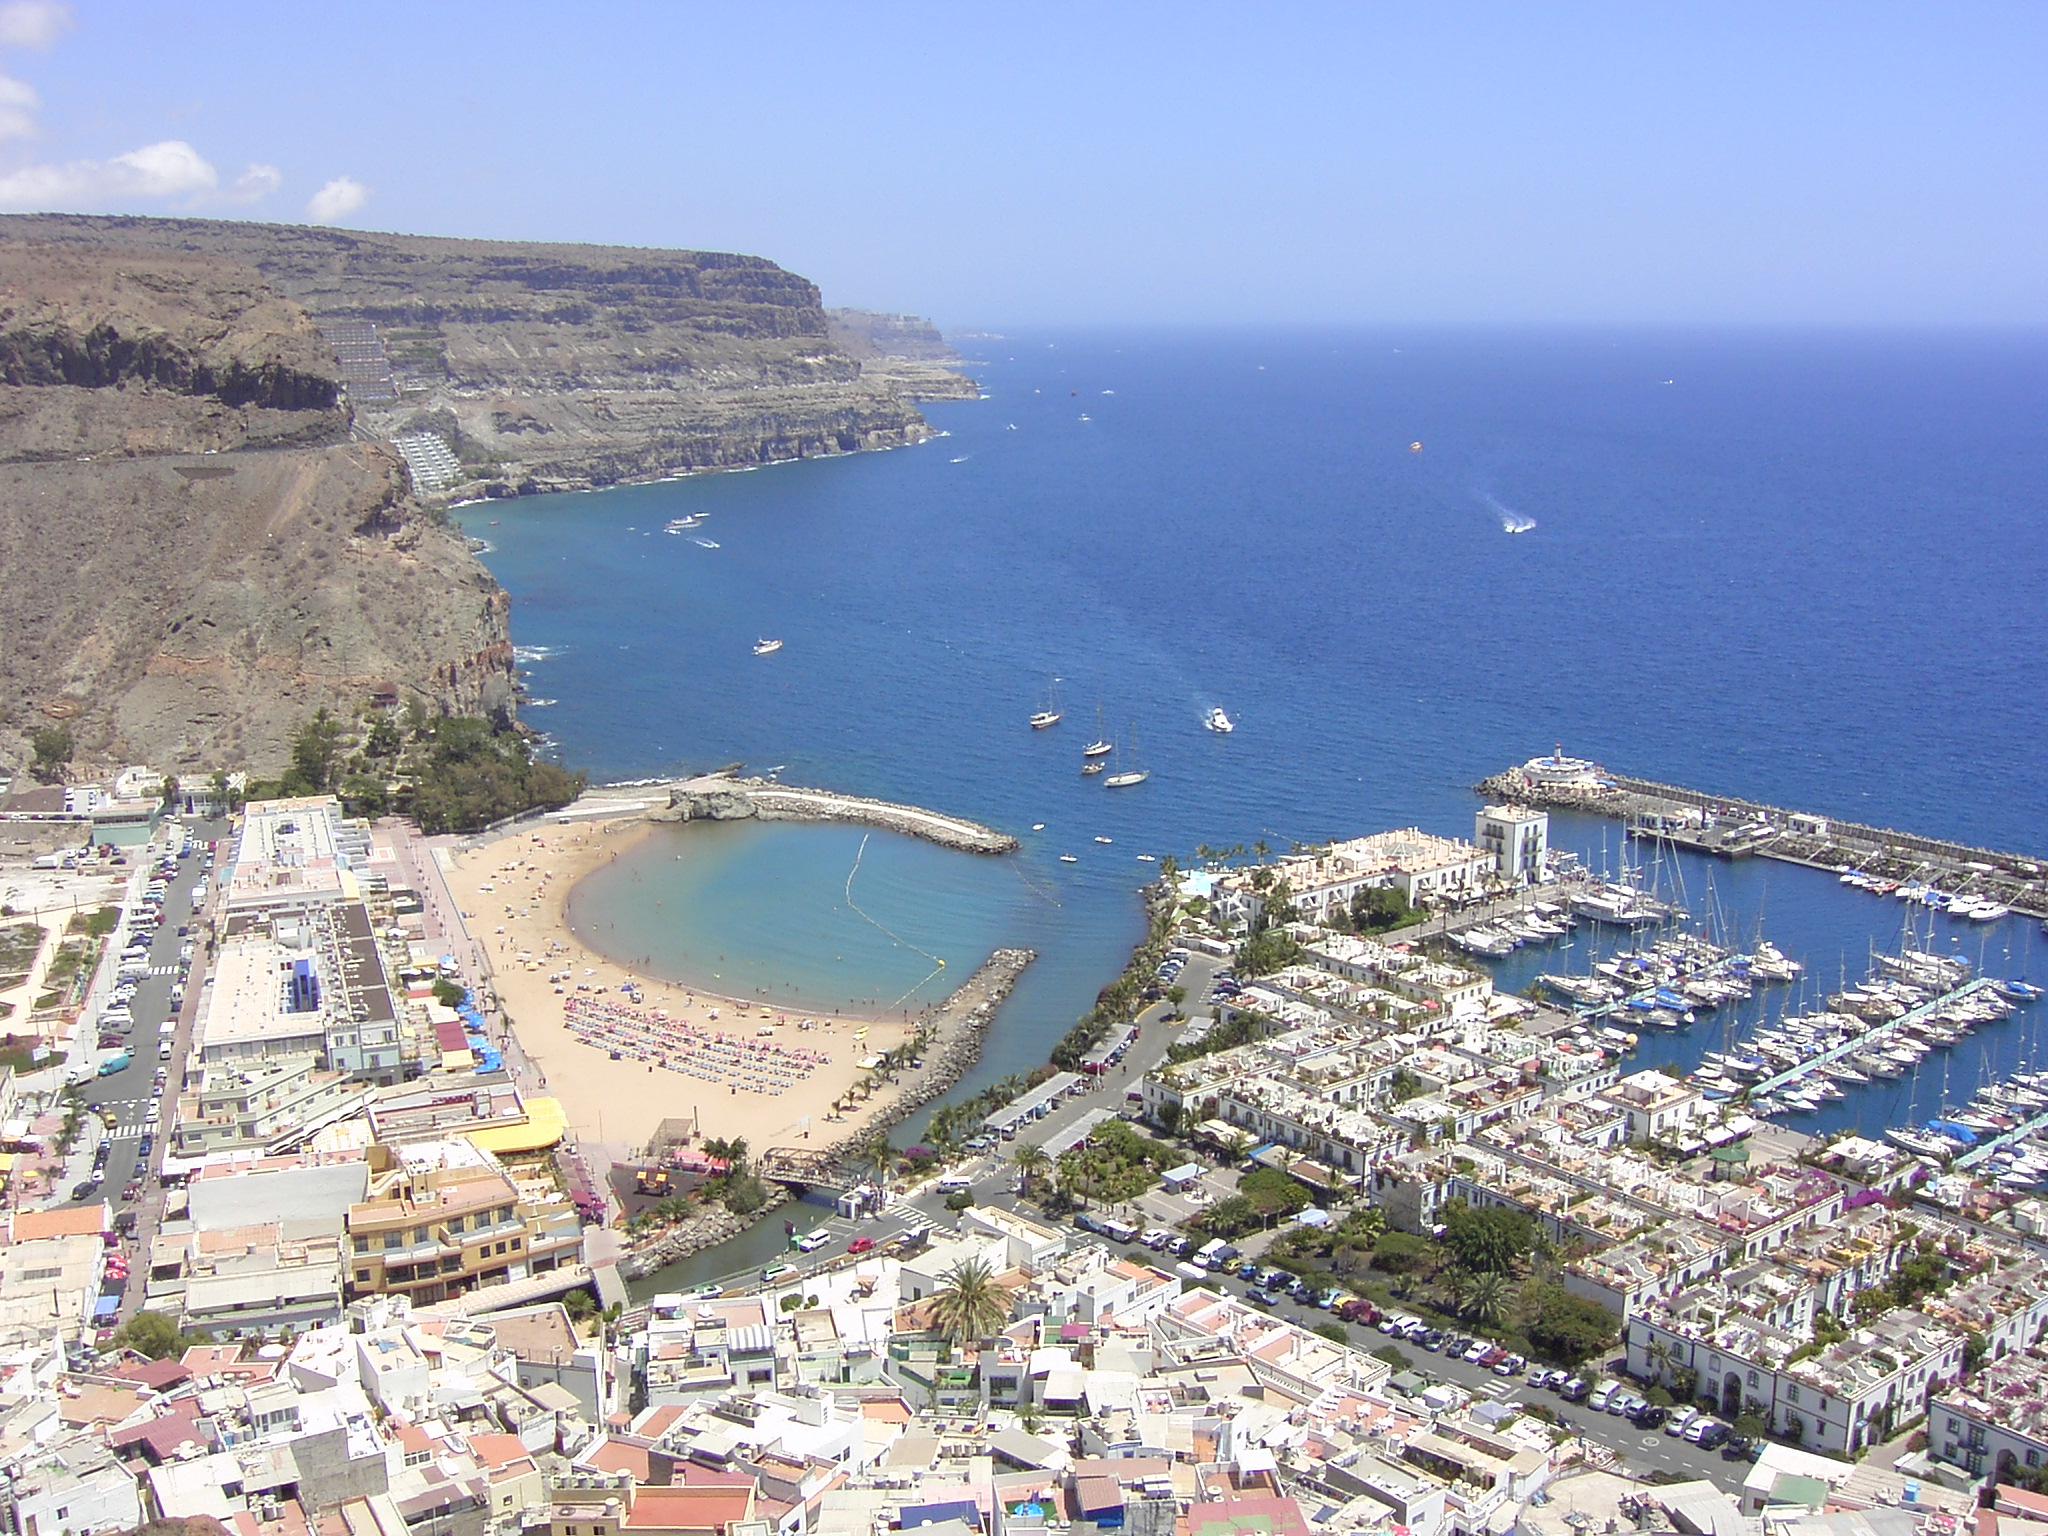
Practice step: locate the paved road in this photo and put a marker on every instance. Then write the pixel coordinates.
(145, 1091)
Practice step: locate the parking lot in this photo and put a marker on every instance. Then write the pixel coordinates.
(133, 1038)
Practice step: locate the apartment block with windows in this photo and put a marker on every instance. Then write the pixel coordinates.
(443, 1218)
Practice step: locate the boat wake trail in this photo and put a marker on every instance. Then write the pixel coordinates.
(938, 964)
(1511, 521)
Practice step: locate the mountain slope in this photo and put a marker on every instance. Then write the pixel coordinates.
(195, 553)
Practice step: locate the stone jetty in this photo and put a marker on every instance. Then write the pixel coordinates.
(722, 797)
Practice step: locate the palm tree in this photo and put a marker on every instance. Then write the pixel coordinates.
(1455, 1285)
(967, 1305)
(1488, 1301)
(1030, 1162)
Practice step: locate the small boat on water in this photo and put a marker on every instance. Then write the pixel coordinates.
(1124, 778)
(1146, 858)
(1068, 858)
(705, 543)
(682, 525)
(1103, 839)
(1093, 766)
(1219, 722)
(1049, 712)
(767, 647)
(1101, 746)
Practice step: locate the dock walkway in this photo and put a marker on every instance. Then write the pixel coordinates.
(1877, 1034)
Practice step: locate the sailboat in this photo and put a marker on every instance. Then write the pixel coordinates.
(1101, 746)
(1123, 778)
(1050, 715)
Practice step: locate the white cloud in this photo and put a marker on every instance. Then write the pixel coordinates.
(254, 184)
(170, 169)
(337, 200)
(18, 103)
(33, 23)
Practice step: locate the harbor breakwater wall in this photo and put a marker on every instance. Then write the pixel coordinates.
(721, 798)
(1745, 827)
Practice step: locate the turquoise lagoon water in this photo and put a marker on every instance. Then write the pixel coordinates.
(1805, 568)
(808, 918)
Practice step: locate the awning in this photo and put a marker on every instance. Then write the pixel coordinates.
(545, 1123)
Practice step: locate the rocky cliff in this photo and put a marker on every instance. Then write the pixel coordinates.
(195, 553)
(553, 367)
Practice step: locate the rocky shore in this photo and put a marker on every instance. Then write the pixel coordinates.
(674, 1244)
(954, 1033)
(717, 797)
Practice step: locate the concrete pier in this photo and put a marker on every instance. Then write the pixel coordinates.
(717, 797)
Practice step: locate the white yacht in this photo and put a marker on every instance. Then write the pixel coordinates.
(767, 647)
(1101, 746)
(1049, 714)
(1219, 722)
(1123, 778)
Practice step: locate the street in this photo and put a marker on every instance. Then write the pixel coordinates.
(139, 1101)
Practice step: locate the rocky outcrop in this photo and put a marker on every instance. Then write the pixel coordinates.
(558, 367)
(195, 554)
(718, 797)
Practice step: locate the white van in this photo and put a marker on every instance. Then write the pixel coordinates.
(953, 1183)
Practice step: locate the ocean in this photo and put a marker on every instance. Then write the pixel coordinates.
(1803, 567)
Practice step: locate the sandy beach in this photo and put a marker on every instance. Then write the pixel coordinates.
(512, 892)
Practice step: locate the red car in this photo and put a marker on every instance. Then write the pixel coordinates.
(860, 1245)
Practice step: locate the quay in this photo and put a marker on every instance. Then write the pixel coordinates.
(727, 797)
(1729, 827)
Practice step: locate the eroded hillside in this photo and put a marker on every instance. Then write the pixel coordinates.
(195, 555)
(563, 366)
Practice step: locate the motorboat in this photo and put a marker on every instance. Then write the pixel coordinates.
(767, 647)
(705, 543)
(1068, 858)
(1093, 766)
(1219, 722)
(1101, 746)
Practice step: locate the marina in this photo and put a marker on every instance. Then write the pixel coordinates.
(1979, 883)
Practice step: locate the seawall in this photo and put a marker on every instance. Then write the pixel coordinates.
(716, 797)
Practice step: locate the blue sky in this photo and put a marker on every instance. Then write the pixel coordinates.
(999, 164)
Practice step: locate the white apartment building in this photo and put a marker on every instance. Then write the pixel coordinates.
(1517, 837)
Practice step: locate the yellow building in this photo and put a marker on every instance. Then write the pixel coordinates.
(443, 1218)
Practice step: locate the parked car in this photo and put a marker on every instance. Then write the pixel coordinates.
(1492, 1356)
(1475, 1349)
(85, 1189)
(1680, 1421)
(1574, 1389)
(860, 1245)
(1248, 1270)
(1433, 1340)
(1259, 1298)
(1511, 1366)
(1715, 1436)
(1648, 1416)
(1602, 1395)
(1741, 1448)
(1697, 1429)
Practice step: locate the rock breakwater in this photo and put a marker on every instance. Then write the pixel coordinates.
(718, 797)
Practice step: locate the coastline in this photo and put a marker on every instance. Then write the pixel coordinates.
(512, 890)
(620, 1047)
